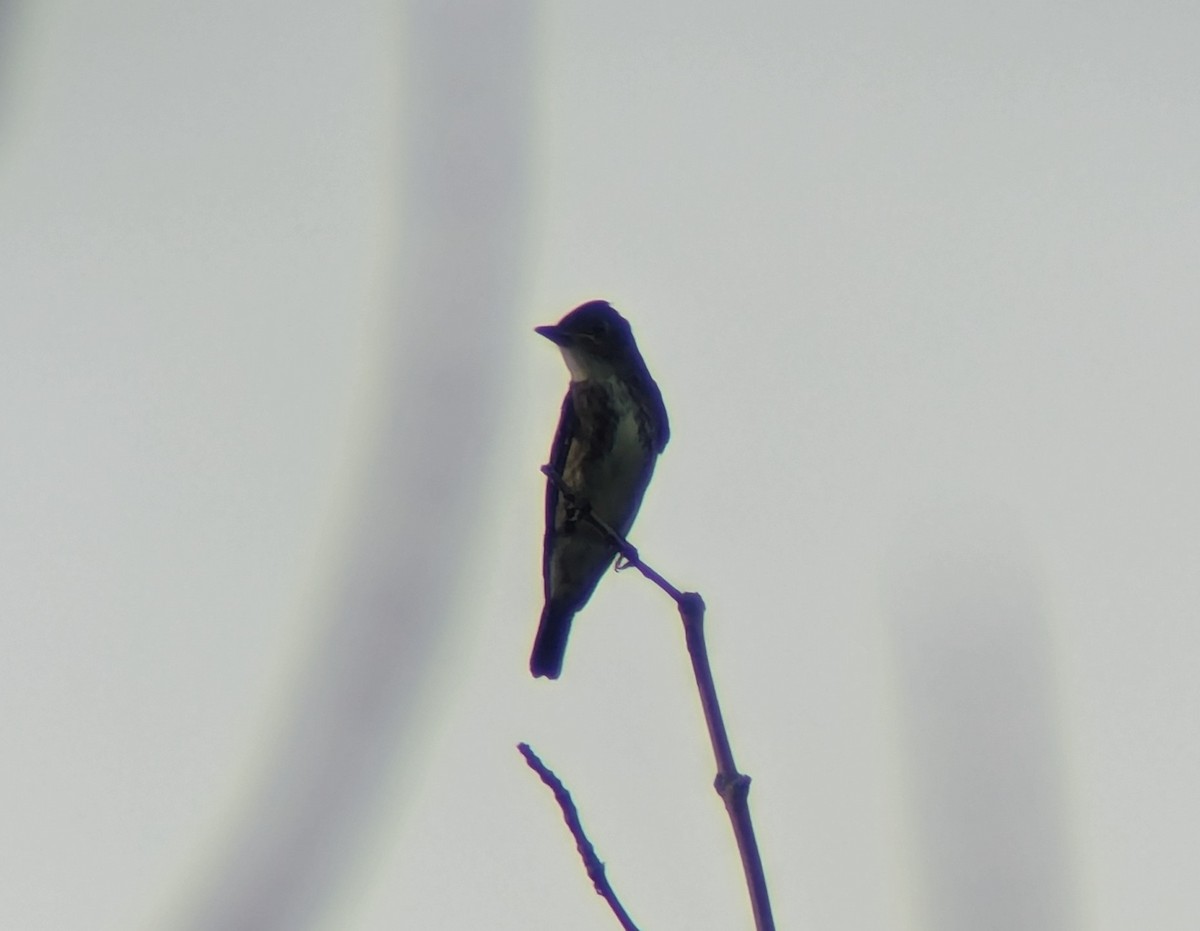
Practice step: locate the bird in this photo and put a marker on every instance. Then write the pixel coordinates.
(612, 428)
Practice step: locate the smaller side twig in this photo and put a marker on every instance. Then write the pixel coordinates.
(591, 862)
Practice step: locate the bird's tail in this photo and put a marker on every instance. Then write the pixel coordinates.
(551, 641)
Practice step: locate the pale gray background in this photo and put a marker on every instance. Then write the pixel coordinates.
(919, 284)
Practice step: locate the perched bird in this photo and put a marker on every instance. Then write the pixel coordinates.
(612, 427)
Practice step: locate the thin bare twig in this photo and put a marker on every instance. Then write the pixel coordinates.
(732, 786)
(628, 552)
(591, 862)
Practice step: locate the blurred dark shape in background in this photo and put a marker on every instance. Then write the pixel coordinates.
(467, 71)
(980, 726)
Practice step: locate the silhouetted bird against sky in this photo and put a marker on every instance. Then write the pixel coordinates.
(612, 428)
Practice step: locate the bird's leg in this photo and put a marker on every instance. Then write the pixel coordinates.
(627, 559)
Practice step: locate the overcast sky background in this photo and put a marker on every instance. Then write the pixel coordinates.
(919, 285)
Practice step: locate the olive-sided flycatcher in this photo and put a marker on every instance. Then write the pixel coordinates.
(612, 428)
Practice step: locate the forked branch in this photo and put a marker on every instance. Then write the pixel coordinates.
(731, 785)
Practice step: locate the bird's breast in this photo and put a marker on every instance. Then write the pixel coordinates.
(609, 460)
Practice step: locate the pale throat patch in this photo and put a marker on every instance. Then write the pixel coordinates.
(575, 364)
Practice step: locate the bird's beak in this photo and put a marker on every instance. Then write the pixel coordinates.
(552, 333)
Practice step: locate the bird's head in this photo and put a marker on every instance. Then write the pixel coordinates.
(593, 336)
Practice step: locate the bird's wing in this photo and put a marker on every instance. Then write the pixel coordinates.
(568, 427)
